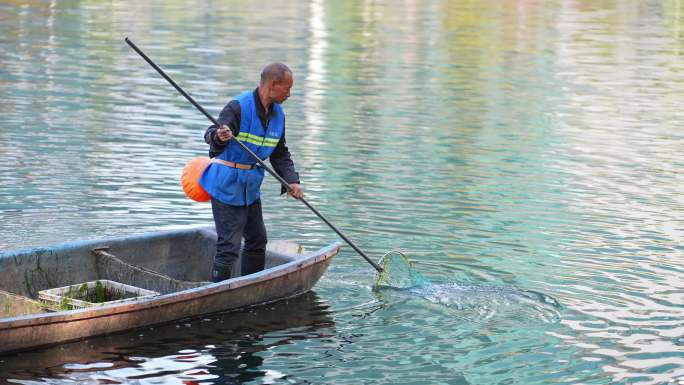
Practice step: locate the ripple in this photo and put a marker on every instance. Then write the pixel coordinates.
(481, 303)
(511, 149)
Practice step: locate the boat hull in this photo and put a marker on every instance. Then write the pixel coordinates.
(284, 280)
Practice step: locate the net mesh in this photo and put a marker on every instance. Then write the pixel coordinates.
(398, 272)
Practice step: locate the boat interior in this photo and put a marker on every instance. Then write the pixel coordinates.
(162, 262)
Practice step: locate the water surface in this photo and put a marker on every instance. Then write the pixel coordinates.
(508, 147)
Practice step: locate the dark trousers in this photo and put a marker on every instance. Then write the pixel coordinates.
(232, 224)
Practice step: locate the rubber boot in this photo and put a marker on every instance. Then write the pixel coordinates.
(220, 273)
(252, 262)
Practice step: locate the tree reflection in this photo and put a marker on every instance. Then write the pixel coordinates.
(228, 347)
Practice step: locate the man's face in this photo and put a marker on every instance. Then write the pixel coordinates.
(280, 91)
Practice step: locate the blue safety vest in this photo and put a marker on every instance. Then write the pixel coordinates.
(235, 186)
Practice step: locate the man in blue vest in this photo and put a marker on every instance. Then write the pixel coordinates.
(233, 179)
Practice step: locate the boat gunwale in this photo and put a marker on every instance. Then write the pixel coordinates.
(275, 272)
(98, 242)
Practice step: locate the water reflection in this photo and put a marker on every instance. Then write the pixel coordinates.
(232, 347)
(518, 144)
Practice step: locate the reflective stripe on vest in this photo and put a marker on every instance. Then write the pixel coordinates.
(258, 140)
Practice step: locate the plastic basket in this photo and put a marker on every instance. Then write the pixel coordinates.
(94, 293)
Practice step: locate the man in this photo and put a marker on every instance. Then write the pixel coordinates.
(233, 179)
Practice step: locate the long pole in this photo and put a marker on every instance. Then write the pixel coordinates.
(250, 152)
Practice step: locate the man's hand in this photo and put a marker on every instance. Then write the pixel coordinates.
(224, 134)
(296, 191)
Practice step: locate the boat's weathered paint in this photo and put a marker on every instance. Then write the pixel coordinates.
(55, 266)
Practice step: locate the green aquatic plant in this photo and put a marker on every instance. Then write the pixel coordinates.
(8, 308)
(99, 292)
(65, 303)
(82, 290)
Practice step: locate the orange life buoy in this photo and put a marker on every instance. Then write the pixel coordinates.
(190, 176)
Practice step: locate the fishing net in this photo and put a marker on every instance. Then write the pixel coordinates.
(398, 272)
(109, 266)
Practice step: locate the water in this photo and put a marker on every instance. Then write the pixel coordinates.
(519, 151)
(471, 302)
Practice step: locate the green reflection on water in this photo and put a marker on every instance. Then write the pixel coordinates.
(517, 144)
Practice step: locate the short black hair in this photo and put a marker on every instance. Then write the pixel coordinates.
(275, 71)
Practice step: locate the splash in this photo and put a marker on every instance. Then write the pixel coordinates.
(467, 301)
(480, 302)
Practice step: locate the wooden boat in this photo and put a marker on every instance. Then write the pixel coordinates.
(175, 264)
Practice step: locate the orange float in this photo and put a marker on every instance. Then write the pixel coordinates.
(190, 176)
